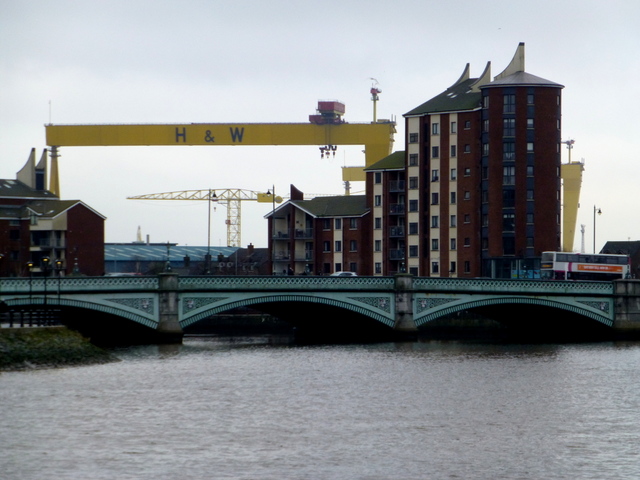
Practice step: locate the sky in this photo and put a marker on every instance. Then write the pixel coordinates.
(196, 61)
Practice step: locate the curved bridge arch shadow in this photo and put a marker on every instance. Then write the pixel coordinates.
(387, 321)
(82, 305)
(434, 314)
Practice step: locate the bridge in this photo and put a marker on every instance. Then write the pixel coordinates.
(168, 303)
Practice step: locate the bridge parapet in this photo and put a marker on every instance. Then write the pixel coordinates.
(286, 283)
(511, 287)
(76, 284)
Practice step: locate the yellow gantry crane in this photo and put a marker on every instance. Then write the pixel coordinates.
(232, 198)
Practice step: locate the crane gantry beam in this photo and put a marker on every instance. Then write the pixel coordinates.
(232, 197)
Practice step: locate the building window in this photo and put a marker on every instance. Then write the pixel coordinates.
(377, 177)
(467, 172)
(453, 244)
(413, 159)
(484, 243)
(453, 221)
(453, 197)
(508, 222)
(467, 266)
(434, 175)
(378, 267)
(467, 195)
(509, 127)
(484, 195)
(467, 124)
(508, 245)
(338, 267)
(485, 220)
(434, 221)
(454, 127)
(467, 242)
(453, 151)
(413, 183)
(434, 267)
(326, 246)
(530, 99)
(485, 126)
(353, 246)
(434, 198)
(413, 250)
(14, 234)
(377, 223)
(353, 267)
(435, 152)
(509, 104)
(529, 194)
(529, 170)
(509, 151)
(377, 245)
(377, 200)
(485, 149)
(467, 218)
(338, 224)
(508, 198)
(530, 218)
(353, 224)
(485, 101)
(509, 175)
(326, 224)
(413, 138)
(529, 242)
(452, 269)
(338, 246)
(454, 174)
(467, 148)
(529, 147)
(413, 228)
(435, 129)
(413, 205)
(530, 123)
(434, 244)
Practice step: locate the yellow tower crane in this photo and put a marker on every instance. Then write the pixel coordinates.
(231, 197)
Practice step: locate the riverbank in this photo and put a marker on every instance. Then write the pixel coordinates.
(47, 347)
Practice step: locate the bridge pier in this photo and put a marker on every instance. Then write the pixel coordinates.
(627, 307)
(404, 304)
(169, 329)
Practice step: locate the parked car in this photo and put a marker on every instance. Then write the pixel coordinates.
(344, 274)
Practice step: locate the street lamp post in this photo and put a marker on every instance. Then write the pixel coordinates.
(272, 192)
(207, 259)
(599, 212)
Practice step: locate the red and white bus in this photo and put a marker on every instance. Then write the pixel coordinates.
(580, 266)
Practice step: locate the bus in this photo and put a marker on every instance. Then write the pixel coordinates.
(580, 266)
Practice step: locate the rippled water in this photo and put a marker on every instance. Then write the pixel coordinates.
(248, 409)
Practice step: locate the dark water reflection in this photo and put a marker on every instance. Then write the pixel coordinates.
(262, 407)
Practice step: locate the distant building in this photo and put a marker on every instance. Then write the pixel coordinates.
(631, 248)
(476, 192)
(320, 236)
(140, 258)
(39, 232)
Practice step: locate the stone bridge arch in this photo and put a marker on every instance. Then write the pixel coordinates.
(433, 309)
(375, 308)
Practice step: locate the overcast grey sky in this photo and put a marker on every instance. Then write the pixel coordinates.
(255, 61)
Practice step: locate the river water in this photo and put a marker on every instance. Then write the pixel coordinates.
(260, 408)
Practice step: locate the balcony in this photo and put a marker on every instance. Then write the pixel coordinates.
(396, 231)
(397, 208)
(304, 233)
(396, 254)
(396, 186)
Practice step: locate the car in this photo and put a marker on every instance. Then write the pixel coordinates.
(344, 274)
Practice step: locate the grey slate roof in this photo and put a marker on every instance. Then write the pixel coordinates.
(455, 98)
(16, 189)
(522, 79)
(338, 206)
(395, 161)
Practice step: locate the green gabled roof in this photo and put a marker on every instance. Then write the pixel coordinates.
(17, 189)
(394, 161)
(53, 208)
(458, 97)
(339, 206)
